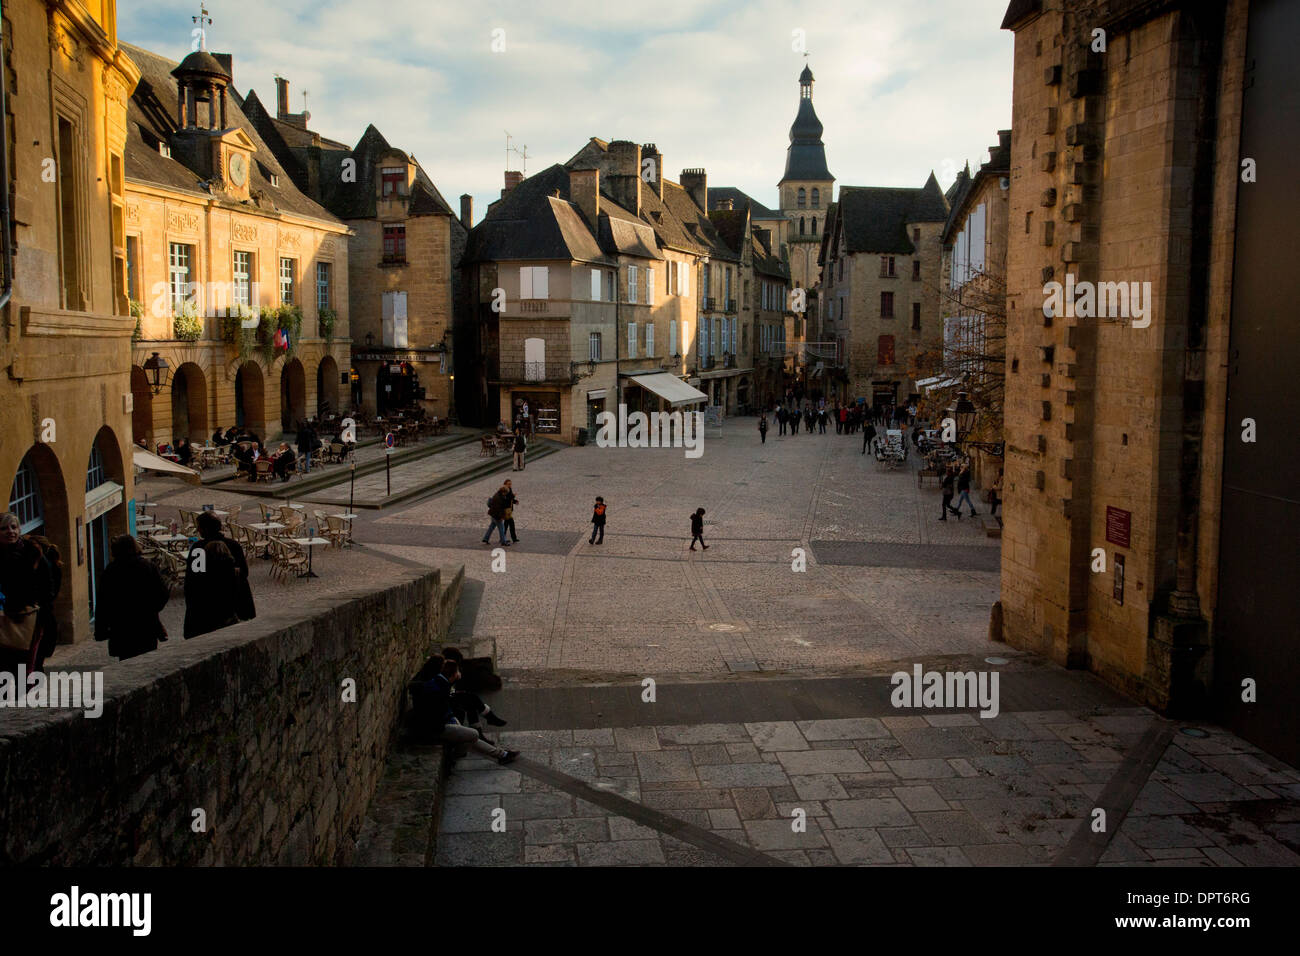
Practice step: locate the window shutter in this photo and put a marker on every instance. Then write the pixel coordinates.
(631, 284)
(649, 338)
(541, 282)
(650, 286)
(631, 340)
(525, 282)
(595, 285)
(672, 336)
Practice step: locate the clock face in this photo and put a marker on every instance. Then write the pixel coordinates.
(238, 169)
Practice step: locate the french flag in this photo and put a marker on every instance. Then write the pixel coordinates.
(282, 339)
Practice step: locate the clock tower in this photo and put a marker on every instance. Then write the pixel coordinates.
(806, 188)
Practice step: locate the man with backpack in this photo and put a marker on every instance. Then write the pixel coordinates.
(497, 506)
(598, 522)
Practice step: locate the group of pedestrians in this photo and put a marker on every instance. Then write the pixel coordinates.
(848, 418)
(956, 482)
(501, 511)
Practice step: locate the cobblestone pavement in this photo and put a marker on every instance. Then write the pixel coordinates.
(642, 603)
(939, 790)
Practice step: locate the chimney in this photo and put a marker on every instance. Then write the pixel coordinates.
(625, 181)
(696, 184)
(584, 192)
(281, 97)
(227, 61)
(513, 178)
(764, 237)
(650, 151)
(467, 210)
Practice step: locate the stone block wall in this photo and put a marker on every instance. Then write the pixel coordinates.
(248, 724)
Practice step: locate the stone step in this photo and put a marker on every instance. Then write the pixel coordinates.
(401, 824)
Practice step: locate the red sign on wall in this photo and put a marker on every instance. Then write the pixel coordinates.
(1119, 524)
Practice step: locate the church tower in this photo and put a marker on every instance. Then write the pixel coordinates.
(806, 188)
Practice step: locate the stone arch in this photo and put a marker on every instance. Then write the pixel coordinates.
(141, 407)
(250, 399)
(293, 394)
(327, 386)
(189, 403)
(38, 488)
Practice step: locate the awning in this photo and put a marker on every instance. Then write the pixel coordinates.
(946, 383)
(670, 388)
(102, 499)
(151, 462)
(929, 381)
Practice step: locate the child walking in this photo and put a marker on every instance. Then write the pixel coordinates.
(598, 522)
(697, 529)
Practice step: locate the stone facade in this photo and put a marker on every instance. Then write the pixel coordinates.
(1114, 424)
(251, 724)
(65, 395)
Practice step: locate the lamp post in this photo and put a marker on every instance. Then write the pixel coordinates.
(964, 413)
(156, 368)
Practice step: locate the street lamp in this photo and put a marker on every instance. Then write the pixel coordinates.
(964, 413)
(156, 369)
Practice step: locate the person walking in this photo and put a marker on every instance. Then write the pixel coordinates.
(762, 429)
(307, 443)
(821, 421)
(809, 420)
(796, 416)
(697, 529)
(841, 419)
(131, 593)
(781, 419)
(211, 588)
(868, 434)
(509, 516)
(209, 528)
(520, 446)
(497, 506)
(598, 521)
(949, 481)
(963, 489)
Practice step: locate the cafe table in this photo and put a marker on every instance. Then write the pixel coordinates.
(265, 527)
(307, 543)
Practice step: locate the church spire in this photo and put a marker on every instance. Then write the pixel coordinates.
(806, 156)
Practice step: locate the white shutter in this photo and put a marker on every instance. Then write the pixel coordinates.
(595, 285)
(649, 338)
(672, 336)
(631, 284)
(525, 282)
(399, 320)
(650, 286)
(631, 340)
(541, 282)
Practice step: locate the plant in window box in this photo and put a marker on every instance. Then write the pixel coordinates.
(187, 324)
(234, 332)
(327, 319)
(137, 313)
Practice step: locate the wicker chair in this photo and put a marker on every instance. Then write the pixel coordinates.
(262, 470)
(287, 557)
(267, 512)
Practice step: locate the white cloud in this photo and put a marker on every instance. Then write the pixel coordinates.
(900, 91)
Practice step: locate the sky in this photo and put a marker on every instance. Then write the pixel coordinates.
(901, 89)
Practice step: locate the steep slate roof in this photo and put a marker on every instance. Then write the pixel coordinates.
(875, 218)
(1019, 10)
(738, 199)
(530, 223)
(999, 164)
(697, 223)
(151, 118)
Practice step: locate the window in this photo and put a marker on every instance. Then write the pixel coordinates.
(179, 258)
(594, 342)
(802, 224)
(133, 267)
(323, 270)
(533, 282)
(672, 336)
(744, 339)
(702, 341)
(885, 350)
(394, 243)
(717, 343)
(727, 284)
(916, 316)
(649, 339)
(841, 268)
(886, 305)
(25, 499)
(631, 340)
(534, 360)
(814, 225)
(393, 180)
(631, 284)
(816, 201)
(744, 298)
(70, 235)
(286, 281)
(243, 276)
(706, 286)
(887, 266)
(610, 280)
(164, 150)
(916, 270)
(803, 198)
(275, 180)
(650, 287)
(916, 234)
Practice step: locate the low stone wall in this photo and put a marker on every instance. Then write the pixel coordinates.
(249, 725)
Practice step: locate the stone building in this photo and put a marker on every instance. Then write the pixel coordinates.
(1135, 436)
(880, 264)
(405, 244)
(973, 299)
(224, 251)
(65, 396)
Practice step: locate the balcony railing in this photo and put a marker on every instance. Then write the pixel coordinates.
(534, 305)
(710, 303)
(549, 372)
(731, 305)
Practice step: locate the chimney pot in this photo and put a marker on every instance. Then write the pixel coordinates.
(281, 97)
(467, 210)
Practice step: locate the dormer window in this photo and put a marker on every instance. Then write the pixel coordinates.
(164, 150)
(393, 179)
(275, 180)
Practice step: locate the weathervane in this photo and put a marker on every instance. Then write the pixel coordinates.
(204, 21)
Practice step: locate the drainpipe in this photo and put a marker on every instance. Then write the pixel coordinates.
(6, 246)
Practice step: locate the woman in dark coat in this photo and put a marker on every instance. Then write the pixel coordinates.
(211, 594)
(25, 583)
(49, 625)
(131, 593)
